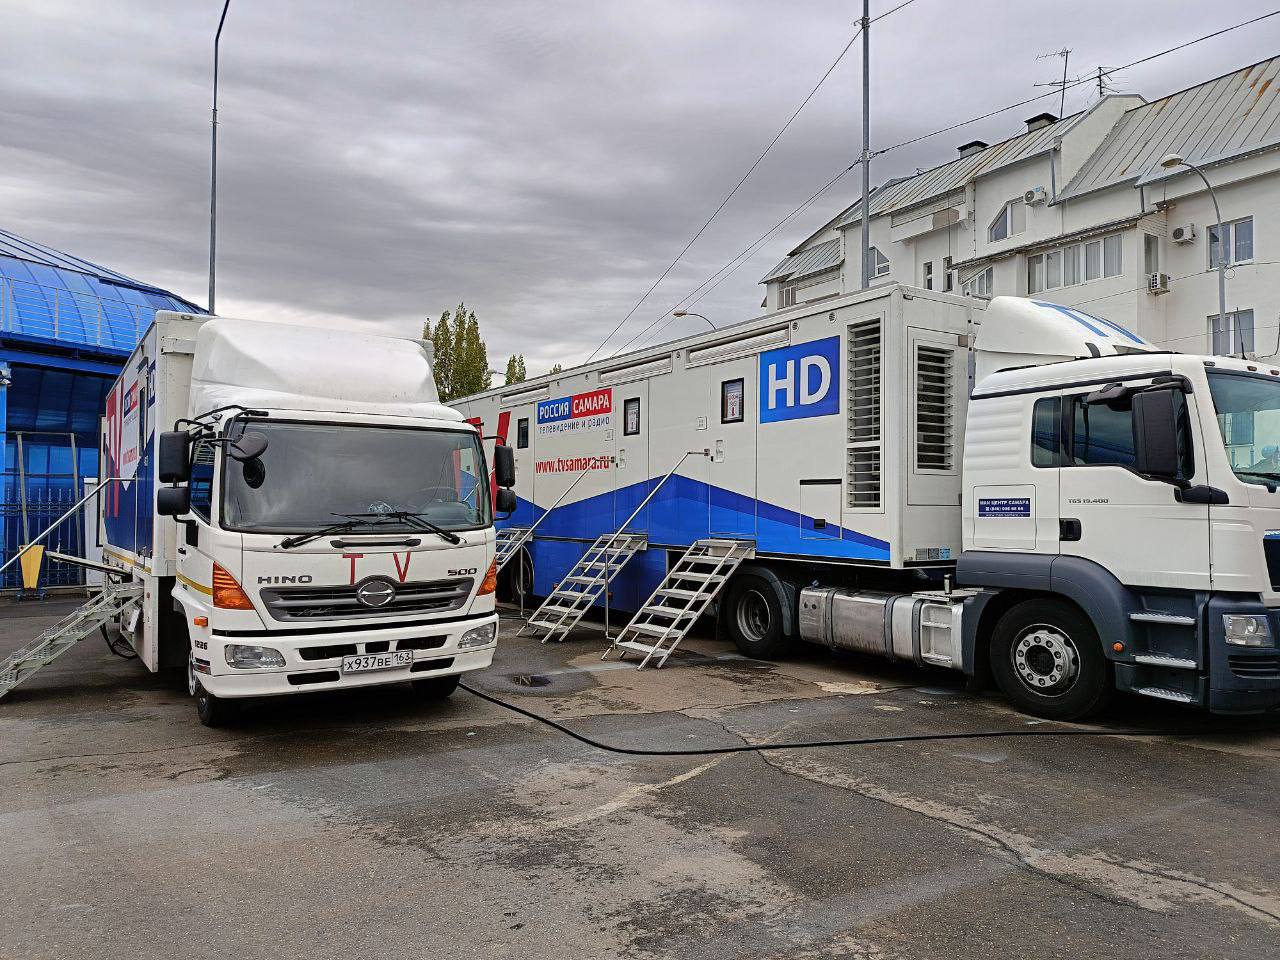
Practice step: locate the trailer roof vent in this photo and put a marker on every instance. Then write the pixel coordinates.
(972, 147)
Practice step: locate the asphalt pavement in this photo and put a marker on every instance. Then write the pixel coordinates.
(372, 824)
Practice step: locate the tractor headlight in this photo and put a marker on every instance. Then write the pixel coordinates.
(244, 657)
(1246, 630)
(478, 636)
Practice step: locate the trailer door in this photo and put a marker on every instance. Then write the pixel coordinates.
(631, 448)
(731, 474)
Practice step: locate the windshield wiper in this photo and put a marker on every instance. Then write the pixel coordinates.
(1272, 478)
(346, 526)
(415, 520)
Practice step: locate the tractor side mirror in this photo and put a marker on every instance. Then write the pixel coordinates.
(173, 501)
(1155, 434)
(173, 458)
(504, 465)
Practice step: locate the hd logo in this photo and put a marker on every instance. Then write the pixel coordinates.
(799, 381)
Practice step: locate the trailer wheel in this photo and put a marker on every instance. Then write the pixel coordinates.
(212, 711)
(515, 583)
(752, 612)
(436, 688)
(1047, 659)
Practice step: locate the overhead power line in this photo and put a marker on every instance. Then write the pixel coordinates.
(730, 195)
(1093, 78)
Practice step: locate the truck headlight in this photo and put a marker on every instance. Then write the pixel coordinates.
(1246, 630)
(478, 636)
(244, 657)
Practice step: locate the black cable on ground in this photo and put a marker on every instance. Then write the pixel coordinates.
(813, 744)
(113, 646)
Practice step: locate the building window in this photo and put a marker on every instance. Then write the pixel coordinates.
(522, 433)
(1071, 273)
(731, 397)
(787, 295)
(1233, 336)
(926, 275)
(631, 416)
(1061, 268)
(1150, 254)
(1035, 273)
(1112, 261)
(980, 284)
(1239, 242)
(948, 276)
(1009, 222)
(879, 263)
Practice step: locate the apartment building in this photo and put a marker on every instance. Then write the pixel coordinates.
(1078, 210)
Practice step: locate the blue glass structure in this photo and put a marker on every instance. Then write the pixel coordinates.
(66, 328)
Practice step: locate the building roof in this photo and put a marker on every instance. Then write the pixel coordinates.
(56, 298)
(1213, 121)
(954, 174)
(824, 256)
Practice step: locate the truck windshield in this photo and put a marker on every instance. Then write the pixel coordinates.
(315, 473)
(1248, 410)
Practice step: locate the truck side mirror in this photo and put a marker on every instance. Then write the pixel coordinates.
(504, 465)
(173, 501)
(173, 458)
(1155, 435)
(506, 501)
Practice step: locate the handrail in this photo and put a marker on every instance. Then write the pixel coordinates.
(546, 513)
(49, 529)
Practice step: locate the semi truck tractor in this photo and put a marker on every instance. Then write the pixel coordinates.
(1022, 491)
(296, 512)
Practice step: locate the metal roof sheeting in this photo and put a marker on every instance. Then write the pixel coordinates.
(953, 175)
(824, 256)
(1213, 121)
(48, 295)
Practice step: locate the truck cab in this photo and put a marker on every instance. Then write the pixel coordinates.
(1122, 522)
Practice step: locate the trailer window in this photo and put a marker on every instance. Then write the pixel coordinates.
(731, 405)
(1046, 433)
(522, 433)
(631, 416)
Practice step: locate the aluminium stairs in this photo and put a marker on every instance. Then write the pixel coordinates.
(510, 540)
(62, 636)
(585, 584)
(682, 597)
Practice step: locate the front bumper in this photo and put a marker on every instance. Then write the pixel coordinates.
(1243, 680)
(314, 663)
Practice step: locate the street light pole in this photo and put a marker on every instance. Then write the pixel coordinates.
(1171, 162)
(686, 313)
(213, 159)
(866, 142)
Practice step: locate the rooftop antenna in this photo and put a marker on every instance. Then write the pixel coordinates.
(866, 141)
(1065, 54)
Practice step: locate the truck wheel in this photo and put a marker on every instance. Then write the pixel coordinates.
(753, 617)
(212, 711)
(436, 688)
(1047, 659)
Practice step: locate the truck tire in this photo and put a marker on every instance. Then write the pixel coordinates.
(752, 612)
(1047, 659)
(212, 711)
(436, 688)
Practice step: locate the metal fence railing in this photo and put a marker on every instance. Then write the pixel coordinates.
(39, 310)
(32, 500)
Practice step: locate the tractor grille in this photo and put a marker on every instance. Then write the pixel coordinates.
(311, 604)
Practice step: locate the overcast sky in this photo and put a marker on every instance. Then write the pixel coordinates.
(544, 161)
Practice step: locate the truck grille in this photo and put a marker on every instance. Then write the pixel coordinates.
(333, 603)
(1271, 550)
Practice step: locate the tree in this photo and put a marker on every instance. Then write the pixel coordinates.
(515, 369)
(556, 368)
(442, 340)
(462, 361)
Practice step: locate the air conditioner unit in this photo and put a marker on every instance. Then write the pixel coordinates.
(1157, 283)
(1183, 233)
(1035, 195)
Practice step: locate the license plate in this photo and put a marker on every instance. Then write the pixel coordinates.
(377, 661)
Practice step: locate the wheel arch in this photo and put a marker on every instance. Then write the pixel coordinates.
(787, 594)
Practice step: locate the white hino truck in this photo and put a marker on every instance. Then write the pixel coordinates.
(297, 512)
(1018, 490)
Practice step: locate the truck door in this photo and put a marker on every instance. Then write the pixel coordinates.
(631, 450)
(731, 473)
(1133, 527)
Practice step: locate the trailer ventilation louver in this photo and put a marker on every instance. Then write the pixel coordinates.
(933, 408)
(863, 388)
